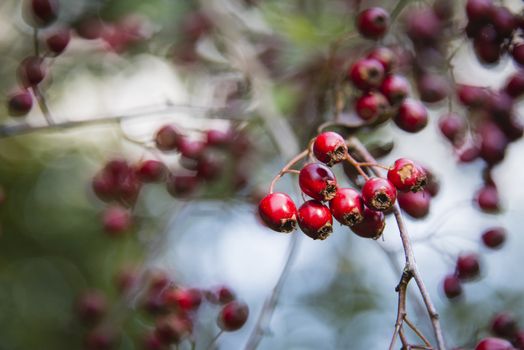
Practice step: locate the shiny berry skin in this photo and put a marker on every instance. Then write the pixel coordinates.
(452, 287)
(315, 220)
(373, 23)
(151, 171)
(412, 116)
(330, 148)
(487, 199)
(278, 211)
(385, 56)
(347, 206)
(407, 176)
(318, 181)
(91, 306)
(372, 226)
(41, 13)
(20, 103)
(371, 105)
(367, 73)
(233, 316)
(168, 138)
(379, 194)
(479, 10)
(518, 54)
(452, 126)
(116, 220)
(494, 237)
(504, 325)
(415, 204)
(515, 85)
(181, 185)
(183, 299)
(494, 344)
(395, 88)
(31, 71)
(467, 266)
(172, 329)
(58, 41)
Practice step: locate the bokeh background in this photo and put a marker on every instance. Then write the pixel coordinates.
(339, 293)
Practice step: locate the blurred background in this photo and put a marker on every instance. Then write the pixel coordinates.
(263, 69)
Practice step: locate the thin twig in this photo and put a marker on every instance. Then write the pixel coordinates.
(401, 309)
(356, 165)
(214, 341)
(417, 331)
(286, 168)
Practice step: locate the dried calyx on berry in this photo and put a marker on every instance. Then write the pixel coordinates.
(330, 148)
(379, 194)
(315, 220)
(371, 226)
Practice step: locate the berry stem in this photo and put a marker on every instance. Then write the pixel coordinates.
(213, 344)
(357, 166)
(366, 164)
(417, 332)
(287, 168)
(410, 262)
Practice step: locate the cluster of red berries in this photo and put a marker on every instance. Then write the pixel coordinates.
(362, 212)
(505, 327)
(119, 182)
(467, 266)
(174, 309)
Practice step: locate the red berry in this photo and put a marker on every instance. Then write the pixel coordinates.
(467, 266)
(432, 87)
(504, 21)
(487, 199)
(412, 116)
(379, 194)
(372, 226)
(41, 13)
(190, 148)
(91, 306)
(494, 344)
(181, 185)
(347, 206)
(515, 85)
(479, 10)
(318, 181)
(500, 105)
(221, 295)
(469, 154)
(89, 28)
(183, 299)
(406, 176)
(423, 27)
(315, 220)
(371, 105)
(487, 46)
(518, 54)
(31, 71)
(452, 287)
(472, 96)
(218, 138)
(494, 237)
(415, 204)
(330, 148)
(116, 220)
(504, 325)
(58, 40)
(20, 103)
(278, 211)
(373, 23)
(395, 88)
(151, 171)
(367, 73)
(172, 329)
(385, 56)
(452, 126)
(168, 138)
(233, 316)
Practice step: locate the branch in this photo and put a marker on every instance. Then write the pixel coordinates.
(410, 263)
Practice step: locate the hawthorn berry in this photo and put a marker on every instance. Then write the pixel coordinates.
(58, 41)
(518, 54)
(218, 138)
(151, 171)
(504, 21)
(210, 166)
(116, 220)
(183, 299)
(494, 237)
(89, 28)
(330, 148)
(347, 206)
(494, 344)
(487, 199)
(407, 176)
(471, 96)
(452, 126)
(379, 194)
(423, 27)
(220, 295)
(519, 340)
(432, 87)
(412, 116)
(395, 88)
(452, 286)
(467, 266)
(31, 71)
(493, 143)
(318, 181)
(515, 85)
(366, 73)
(504, 325)
(479, 10)
(191, 149)
(371, 226)
(315, 219)
(373, 23)
(385, 56)
(172, 329)
(371, 106)
(415, 204)
(168, 138)
(180, 185)
(278, 211)
(91, 306)
(20, 103)
(233, 316)
(41, 13)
